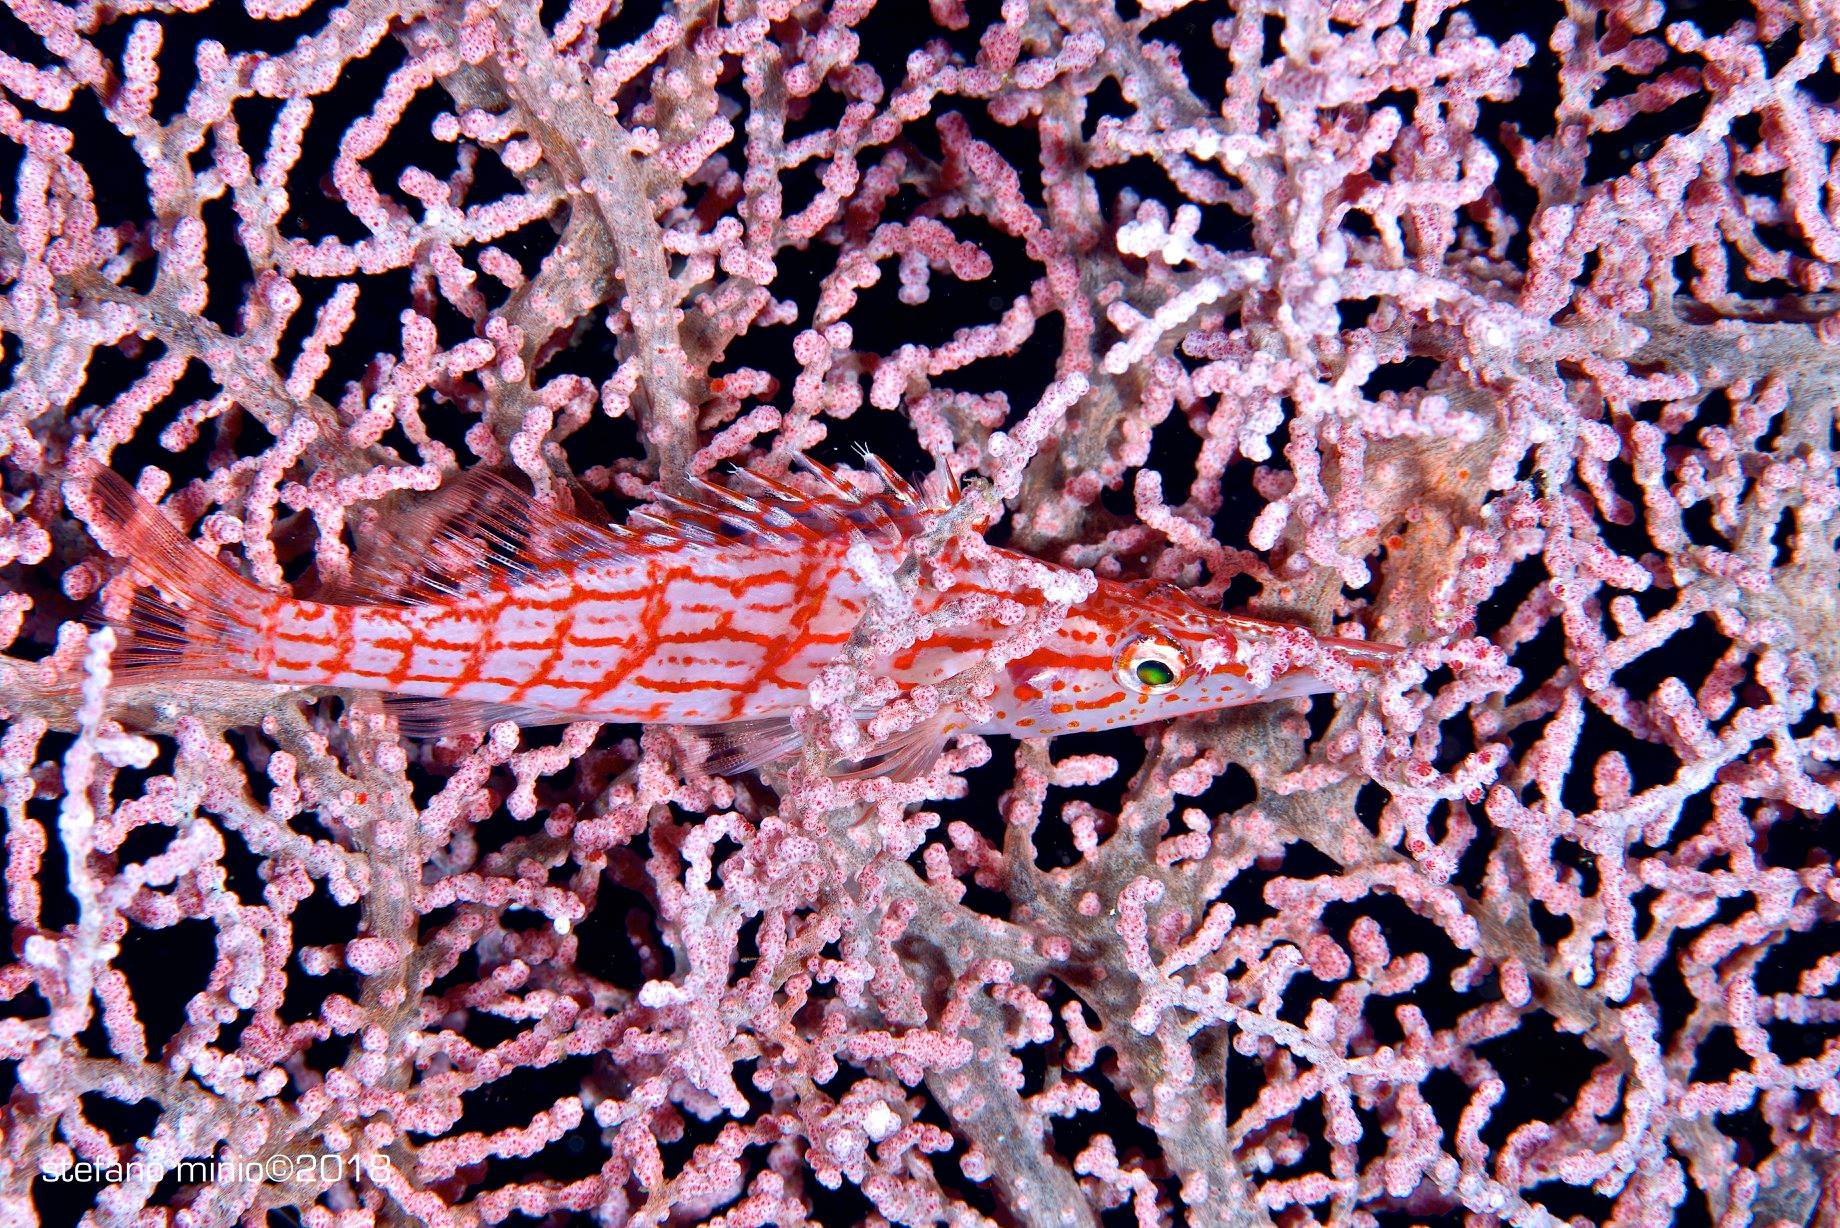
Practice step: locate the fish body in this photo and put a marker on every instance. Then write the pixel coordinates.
(677, 636)
(717, 613)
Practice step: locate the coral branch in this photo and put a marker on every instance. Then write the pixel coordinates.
(1433, 324)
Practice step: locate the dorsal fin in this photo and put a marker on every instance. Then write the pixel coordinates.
(482, 531)
(752, 506)
(477, 532)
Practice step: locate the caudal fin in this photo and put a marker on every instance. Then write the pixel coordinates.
(206, 620)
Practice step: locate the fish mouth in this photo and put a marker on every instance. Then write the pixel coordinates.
(1233, 639)
(1371, 655)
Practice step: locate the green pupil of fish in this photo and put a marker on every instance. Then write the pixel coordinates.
(1155, 673)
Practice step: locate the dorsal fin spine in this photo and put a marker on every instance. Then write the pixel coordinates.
(483, 531)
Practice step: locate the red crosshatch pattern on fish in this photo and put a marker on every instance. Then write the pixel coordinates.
(717, 613)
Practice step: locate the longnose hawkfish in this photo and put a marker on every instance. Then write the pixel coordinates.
(716, 612)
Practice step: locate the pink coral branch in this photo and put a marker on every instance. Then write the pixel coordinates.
(1375, 320)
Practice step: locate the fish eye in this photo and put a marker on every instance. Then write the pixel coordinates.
(1151, 664)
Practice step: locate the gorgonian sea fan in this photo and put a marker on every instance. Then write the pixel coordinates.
(1506, 333)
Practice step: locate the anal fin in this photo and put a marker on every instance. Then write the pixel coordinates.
(742, 746)
(434, 716)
